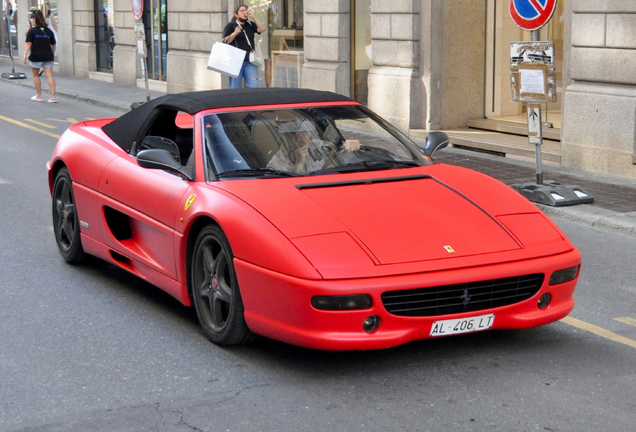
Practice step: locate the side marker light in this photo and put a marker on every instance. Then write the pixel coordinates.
(565, 275)
(346, 302)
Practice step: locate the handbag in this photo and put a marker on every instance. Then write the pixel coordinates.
(227, 59)
(256, 55)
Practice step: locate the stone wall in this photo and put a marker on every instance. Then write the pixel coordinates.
(599, 107)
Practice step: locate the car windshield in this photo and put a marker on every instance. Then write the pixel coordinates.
(304, 141)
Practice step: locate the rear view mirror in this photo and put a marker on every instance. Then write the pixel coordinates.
(435, 140)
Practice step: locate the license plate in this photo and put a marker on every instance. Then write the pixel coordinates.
(462, 325)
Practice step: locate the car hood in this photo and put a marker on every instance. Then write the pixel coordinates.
(411, 217)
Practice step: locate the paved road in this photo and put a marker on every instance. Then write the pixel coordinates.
(91, 347)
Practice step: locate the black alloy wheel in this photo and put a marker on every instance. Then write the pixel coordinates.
(65, 219)
(215, 292)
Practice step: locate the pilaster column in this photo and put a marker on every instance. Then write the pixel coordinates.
(396, 90)
(327, 51)
(193, 27)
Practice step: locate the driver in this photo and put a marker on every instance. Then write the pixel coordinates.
(303, 151)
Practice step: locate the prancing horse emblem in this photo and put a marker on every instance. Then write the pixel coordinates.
(465, 297)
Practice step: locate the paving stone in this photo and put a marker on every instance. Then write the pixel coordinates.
(617, 198)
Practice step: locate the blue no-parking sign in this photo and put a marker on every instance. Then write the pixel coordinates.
(532, 14)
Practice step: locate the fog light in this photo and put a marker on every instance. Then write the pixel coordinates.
(347, 302)
(565, 275)
(544, 301)
(371, 323)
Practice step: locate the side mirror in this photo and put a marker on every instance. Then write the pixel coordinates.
(435, 140)
(163, 160)
(160, 143)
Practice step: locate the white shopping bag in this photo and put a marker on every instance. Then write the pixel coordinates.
(226, 59)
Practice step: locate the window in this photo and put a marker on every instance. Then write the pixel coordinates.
(156, 22)
(282, 43)
(8, 29)
(104, 33)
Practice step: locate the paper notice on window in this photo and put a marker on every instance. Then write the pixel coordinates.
(532, 81)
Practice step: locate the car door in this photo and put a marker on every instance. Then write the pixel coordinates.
(139, 208)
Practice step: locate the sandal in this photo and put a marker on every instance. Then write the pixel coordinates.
(36, 98)
(52, 100)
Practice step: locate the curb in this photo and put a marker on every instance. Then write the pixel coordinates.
(606, 220)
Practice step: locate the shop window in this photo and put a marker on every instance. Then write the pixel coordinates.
(104, 33)
(8, 29)
(156, 26)
(282, 43)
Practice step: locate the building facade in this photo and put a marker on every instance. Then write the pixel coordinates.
(421, 64)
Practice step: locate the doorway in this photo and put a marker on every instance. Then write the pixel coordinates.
(500, 31)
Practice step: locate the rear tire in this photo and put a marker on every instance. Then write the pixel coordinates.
(215, 291)
(65, 219)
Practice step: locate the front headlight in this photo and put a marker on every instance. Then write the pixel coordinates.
(565, 275)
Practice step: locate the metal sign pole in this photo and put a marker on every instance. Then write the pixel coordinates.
(142, 53)
(534, 35)
(535, 135)
(533, 82)
(144, 72)
(13, 74)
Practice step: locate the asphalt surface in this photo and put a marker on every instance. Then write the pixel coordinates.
(613, 209)
(93, 348)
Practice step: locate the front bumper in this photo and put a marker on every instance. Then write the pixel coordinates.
(279, 306)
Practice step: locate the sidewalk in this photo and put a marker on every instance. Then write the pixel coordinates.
(614, 207)
(105, 94)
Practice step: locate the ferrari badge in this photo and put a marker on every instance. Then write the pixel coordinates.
(448, 248)
(189, 201)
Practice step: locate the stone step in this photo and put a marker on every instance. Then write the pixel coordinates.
(497, 143)
(511, 127)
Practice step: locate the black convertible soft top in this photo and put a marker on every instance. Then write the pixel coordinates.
(125, 130)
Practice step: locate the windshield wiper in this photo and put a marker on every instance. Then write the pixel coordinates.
(368, 166)
(257, 172)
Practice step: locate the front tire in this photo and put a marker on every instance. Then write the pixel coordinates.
(65, 219)
(215, 291)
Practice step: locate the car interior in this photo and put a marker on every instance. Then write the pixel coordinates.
(167, 132)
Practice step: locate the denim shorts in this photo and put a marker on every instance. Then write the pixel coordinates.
(38, 65)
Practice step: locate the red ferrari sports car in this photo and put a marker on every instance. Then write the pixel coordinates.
(304, 217)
